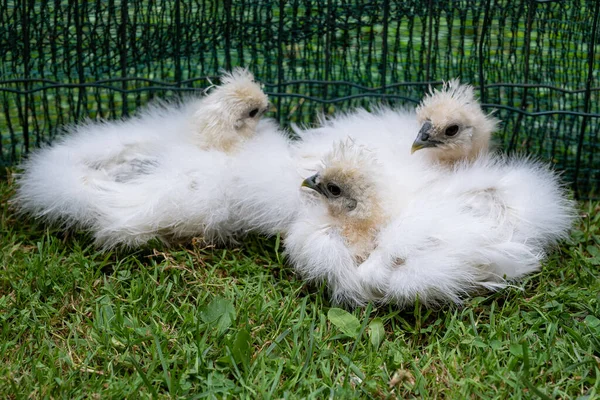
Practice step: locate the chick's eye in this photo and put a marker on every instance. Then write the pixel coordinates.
(253, 113)
(451, 130)
(334, 189)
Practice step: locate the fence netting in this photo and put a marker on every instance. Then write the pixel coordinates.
(535, 62)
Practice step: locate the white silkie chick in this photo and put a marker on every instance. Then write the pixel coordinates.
(338, 227)
(515, 191)
(522, 199)
(369, 241)
(124, 180)
(453, 126)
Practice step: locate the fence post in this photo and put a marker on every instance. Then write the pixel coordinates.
(429, 39)
(177, 44)
(227, 29)
(26, 61)
(530, 17)
(330, 25)
(384, 46)
(79, 48)
(486, 23)
(280, 55)
(588, 95)
(123, 55)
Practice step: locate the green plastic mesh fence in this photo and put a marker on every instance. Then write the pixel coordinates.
(535, 62)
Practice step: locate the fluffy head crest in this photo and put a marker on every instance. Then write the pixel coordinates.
(451, 90)
(240, 95)
(230, 112)
(349, 159)
(453, 123)
(237, 74)
(239, 85)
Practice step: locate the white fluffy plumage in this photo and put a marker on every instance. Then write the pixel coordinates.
(503, 187)
(164, 173)
(480, 225)
(338, 224)
(372, 221)
(265, 189)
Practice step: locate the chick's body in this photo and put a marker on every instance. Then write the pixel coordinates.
(164, 173)
(518, 194)
(514, 192)
(61, 183)
(265, 190)
(479, 226)
(437, 243)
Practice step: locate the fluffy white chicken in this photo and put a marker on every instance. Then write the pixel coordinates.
(164, 173)
(371, 241)
(453, 126)
(456, 133)
(338, 226)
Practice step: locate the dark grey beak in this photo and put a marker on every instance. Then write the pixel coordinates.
(311, 183)
(423, 140)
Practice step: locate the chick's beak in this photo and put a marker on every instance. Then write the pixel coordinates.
(311, 183)
(423, 140)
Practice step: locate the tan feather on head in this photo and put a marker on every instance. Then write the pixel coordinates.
(347, 183)
(229, 114)
(453, 125)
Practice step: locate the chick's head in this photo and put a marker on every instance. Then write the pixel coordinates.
(453, 125)
(242, 100)
(230, 113)
(346, 183)
(349, 185)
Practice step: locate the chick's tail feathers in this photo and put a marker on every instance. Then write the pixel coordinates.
(54, 186)
(519, 193)
(185, 196)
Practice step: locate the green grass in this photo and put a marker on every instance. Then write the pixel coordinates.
(193, 322)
